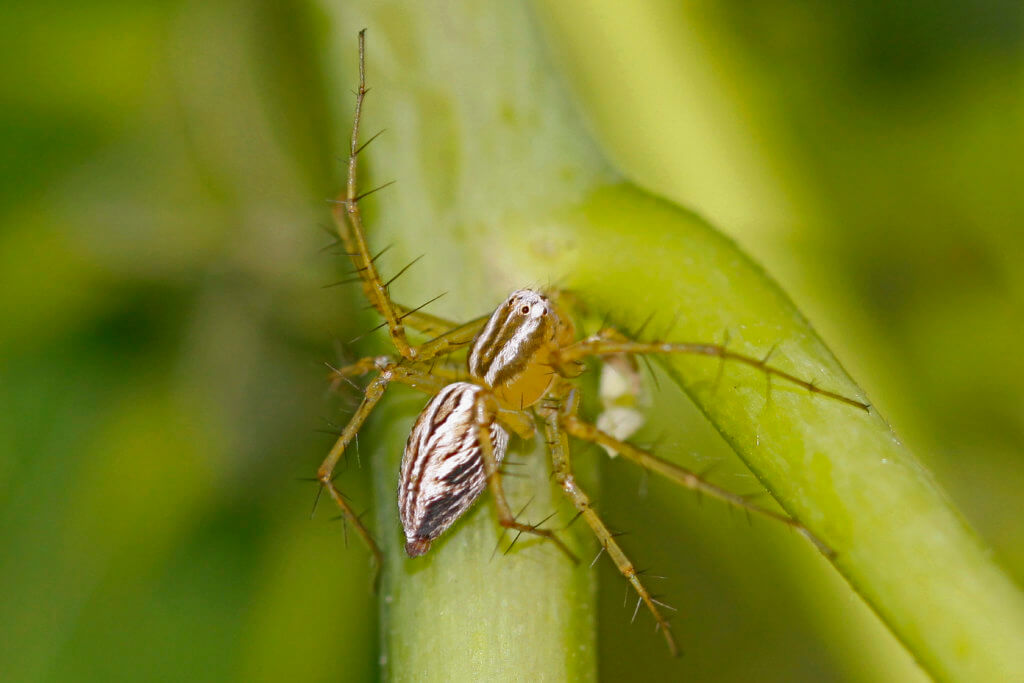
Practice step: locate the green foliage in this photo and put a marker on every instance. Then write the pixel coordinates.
(162, 325)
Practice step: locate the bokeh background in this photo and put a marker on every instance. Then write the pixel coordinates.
(163, 323)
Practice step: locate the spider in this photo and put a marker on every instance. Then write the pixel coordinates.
(520, 364)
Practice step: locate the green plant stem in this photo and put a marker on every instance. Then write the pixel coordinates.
(501, 186)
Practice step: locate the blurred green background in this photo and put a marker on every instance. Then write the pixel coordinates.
(163, 321)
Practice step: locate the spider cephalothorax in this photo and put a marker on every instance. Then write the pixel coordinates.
(513, 354)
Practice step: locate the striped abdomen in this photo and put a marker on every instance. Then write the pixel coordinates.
(442, 469)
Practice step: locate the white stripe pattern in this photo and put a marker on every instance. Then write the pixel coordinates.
(442, 469)
(525, 326)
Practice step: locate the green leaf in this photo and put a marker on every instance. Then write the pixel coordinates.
(843, 472)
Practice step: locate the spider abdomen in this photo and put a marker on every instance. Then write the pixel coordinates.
(442, 467)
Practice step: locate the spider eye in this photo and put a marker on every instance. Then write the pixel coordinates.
(524, 310)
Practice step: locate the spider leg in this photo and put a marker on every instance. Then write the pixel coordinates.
(411, 375)
(445, 344)
(349, 222)
(325, 474)
(456, 338)
(609, 342)
(452, 337)
(518, 421)
(426, 376)
(558, 442)
(587, 432)
(485, 416)
(430, 325)
(356, 369)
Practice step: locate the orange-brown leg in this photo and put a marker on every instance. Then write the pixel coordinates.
(484, 419)
(558, 442)
(325, 475)
(413, 376)
(349, 223)
(585, 431)
(608, 342)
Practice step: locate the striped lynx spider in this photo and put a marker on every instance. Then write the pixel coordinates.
(520, 364)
